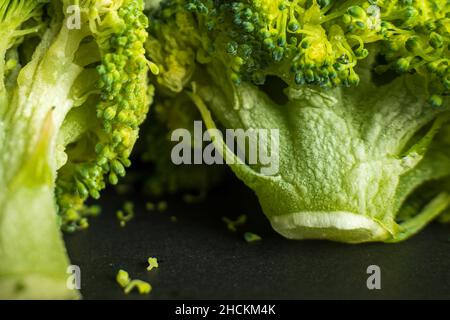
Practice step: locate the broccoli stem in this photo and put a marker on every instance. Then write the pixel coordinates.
(33, 260)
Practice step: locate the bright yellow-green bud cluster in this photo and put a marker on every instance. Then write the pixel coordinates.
(416, 35)
(320, 42)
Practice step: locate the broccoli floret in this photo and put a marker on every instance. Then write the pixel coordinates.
(152, 263)
(71, 101)
(233, 224)
(174, 55)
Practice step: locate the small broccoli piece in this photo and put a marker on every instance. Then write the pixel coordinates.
(310, 42)
(233, 224)
(124, 280)
(142, 287)
(162, 206)
(150, 206)
(251, 237)
(152, 263)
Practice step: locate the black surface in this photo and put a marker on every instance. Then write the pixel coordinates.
(200, 259)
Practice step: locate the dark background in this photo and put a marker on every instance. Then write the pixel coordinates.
(200, 259)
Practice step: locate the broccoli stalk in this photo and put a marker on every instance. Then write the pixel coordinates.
(56, 142)
(350, 163)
